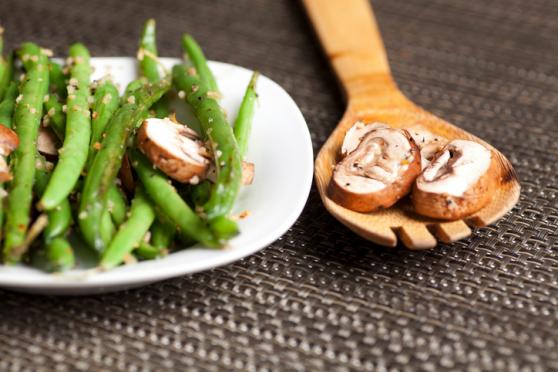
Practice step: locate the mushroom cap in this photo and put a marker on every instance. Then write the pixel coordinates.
(457, 183)
(378, 173)
(174, 148)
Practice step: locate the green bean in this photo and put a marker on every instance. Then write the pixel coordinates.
(147, 54)
(59, 218)
(8, 104)
(243, 122)
(56, 116)
(6, 72)
(60, 254)
(57, 80)
(200, 193)
(108, 160)
(133, 93)
(73, 154)
(149, 65)
(116, 203)
(161, 108)
(228, 162)
(130, 233)
(27, 119)
(196, 56)
(131, 90)
(224, 227)
(106, 228)
(162, 234)
(41, 176)
(166, 198)
(105, 104)
(53, 106)
(148, 252)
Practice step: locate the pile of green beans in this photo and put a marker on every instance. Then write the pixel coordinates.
(57, 204)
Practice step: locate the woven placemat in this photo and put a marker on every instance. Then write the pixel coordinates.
(321, 298)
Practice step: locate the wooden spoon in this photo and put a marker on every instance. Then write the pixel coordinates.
(352, 42)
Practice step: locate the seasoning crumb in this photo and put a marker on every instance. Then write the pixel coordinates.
(130, 259)
(214, 94)
(107, 98)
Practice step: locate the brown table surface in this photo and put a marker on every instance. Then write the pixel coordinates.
(321, 298)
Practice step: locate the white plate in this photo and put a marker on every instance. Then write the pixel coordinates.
(281, 148)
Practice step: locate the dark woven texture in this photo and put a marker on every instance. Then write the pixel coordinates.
(320, 298)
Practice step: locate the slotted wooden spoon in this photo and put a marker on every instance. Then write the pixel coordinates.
(351, 39)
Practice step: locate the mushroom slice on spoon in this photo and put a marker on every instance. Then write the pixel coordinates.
(174, 148)
(428, 143)
(378, 172)
(8, 143)
(356, 133)
(457, 183)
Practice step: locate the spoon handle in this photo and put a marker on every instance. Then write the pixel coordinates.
(352, 42)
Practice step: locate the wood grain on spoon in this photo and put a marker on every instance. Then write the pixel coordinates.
(352, 42)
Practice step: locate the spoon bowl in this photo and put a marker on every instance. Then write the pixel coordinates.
(352, 42)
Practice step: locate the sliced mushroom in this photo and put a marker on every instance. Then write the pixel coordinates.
(8, 143)
(248, 171)
(457, 183)
(428, 143)
(47, 143)
(379, 172)
(174, 148)
(356, 133)
(125, 175)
